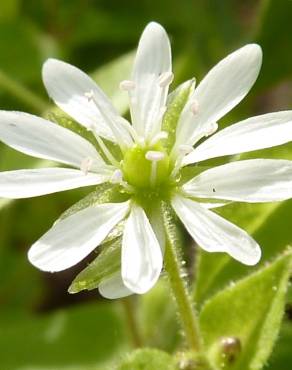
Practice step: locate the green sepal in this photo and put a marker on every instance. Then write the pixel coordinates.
(175, 104)
(104, 265)
(188, 172)
(56, 115)
(104, 193)
(250, 312)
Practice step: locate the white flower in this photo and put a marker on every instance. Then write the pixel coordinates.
(148, 172)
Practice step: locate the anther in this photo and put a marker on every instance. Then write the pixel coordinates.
(86, 165)
(165, 79)
(89, 95)
(183, 150)
(117, 177)
(127, 85)
(154, 156)
(211, 129)
(194, 107)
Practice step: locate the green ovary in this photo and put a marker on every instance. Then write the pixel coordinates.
(137, 169)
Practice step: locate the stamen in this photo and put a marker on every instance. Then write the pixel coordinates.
(127, 85)
(105, 151)
(159, 136)
(117, 177)
(130, 129)
(211, 129)
(165, 79)
(154, 157)
(194, 107)
(89, 95)
(86, 165)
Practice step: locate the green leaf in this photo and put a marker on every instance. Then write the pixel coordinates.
(250, 312)
(148, 359)
(281, 357)
(105, 264)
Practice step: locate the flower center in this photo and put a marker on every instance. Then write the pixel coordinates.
(146, 167)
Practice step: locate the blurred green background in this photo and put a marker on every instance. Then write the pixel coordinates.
(41, 325)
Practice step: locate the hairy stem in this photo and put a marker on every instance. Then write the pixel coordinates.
(174, 269)
(182, 297)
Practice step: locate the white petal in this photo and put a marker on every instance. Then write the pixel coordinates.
(141, 253)
(80, 97)
(211, 205)
(215, 234)
(221, 90)
(40, 138)
(148, 98)
(254, 133)
(32, 183)
(113, 287)
(72, 239)
(254, 180)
